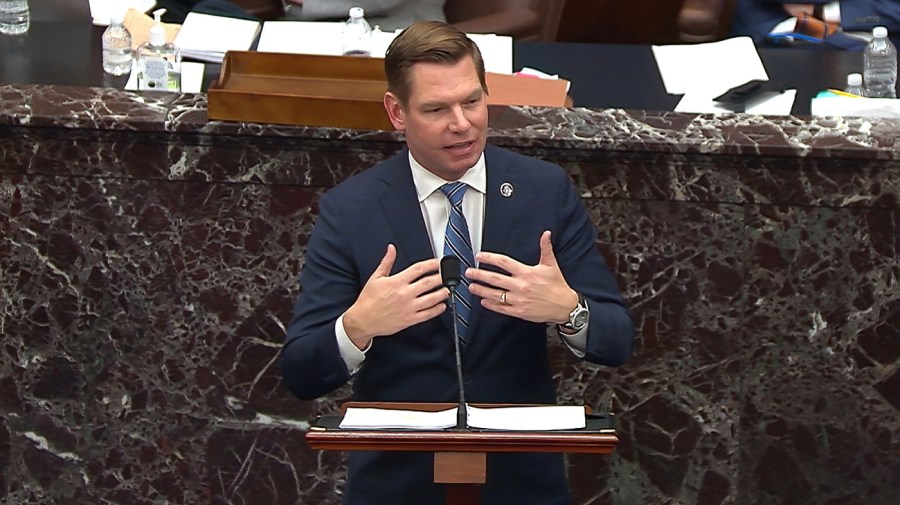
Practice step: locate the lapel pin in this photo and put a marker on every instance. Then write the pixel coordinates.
(506, 189)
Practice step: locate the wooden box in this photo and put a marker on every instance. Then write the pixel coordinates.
(300, 89)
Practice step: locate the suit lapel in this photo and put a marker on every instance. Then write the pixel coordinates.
(400, 204)
(401, 207)
(499, 217)
(500, 205)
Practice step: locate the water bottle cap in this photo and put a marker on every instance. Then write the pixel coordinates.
(356, 12)
(879, 32)
(854, 79)
(117, 18)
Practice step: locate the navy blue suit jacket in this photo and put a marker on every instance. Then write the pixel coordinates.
(756, 18)
(505, 360)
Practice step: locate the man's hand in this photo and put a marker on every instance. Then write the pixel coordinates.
(388, 304)
(536, 293)
(798, 10)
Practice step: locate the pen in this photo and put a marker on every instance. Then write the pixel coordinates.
(843, 93)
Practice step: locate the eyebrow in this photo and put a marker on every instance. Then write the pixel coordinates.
(476, 93)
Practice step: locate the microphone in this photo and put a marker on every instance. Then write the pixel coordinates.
(451, 277)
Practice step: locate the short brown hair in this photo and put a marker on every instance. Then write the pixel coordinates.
(429, 42)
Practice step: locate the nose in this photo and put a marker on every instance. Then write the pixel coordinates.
(459, 122)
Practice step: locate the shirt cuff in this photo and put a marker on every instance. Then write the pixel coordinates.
(351, 354)
(831, 12)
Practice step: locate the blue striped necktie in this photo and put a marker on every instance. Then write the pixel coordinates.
(458, 243)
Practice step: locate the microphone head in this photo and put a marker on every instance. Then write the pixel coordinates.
(450, 271)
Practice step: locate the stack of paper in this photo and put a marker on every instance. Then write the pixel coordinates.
(530, 418)
(207, 38)
(835, 105)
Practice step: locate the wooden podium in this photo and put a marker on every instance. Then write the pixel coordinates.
(460, 457)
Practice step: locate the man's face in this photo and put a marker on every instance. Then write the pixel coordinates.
(445, 118)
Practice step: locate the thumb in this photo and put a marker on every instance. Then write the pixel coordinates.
(387, 262)
(547, 256)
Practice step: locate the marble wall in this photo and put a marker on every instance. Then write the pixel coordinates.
(149, 259)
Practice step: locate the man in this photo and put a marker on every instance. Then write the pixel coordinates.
(389, 15)
(757, 18)
(372, 306)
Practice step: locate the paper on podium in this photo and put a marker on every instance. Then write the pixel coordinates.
(540, 418)
(525, 418)
(206, 37)
(711, 68)
(385, 419)
(324, 38)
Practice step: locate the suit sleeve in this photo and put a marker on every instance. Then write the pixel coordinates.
(611, 331)
(865, 15)
(311, 363)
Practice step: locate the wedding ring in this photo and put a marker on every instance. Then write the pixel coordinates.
(503, 298)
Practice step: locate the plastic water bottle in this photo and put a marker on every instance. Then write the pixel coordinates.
(854, 85)
(880, 65)
(15, 17)
(357, 35)
(117, 55)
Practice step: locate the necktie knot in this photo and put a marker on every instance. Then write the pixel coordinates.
(455, 192)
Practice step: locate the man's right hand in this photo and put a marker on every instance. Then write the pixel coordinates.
(390, 303)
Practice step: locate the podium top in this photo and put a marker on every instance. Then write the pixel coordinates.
(598, 437)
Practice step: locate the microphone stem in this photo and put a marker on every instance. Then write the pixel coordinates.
(461, 410)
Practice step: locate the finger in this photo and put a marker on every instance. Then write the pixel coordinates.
(427, 284)
(501, 261)
(429, 300)
(416, 271)
(387, 263)
(484, 281)
(548, 258)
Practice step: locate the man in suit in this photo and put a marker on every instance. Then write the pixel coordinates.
(757, 18)
(389, 15)
(372, 306)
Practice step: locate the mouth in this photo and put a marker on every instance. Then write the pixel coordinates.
(460, 146)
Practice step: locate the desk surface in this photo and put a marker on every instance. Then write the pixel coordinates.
(602, 75)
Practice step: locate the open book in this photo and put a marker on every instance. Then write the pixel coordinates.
(207, 38)
(525, 418)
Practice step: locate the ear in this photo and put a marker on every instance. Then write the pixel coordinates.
(395, 111)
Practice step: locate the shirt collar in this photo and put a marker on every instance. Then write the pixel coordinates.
(427, 183)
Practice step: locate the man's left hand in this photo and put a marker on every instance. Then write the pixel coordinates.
(536, 293)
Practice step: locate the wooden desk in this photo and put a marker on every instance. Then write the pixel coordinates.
(602, 75)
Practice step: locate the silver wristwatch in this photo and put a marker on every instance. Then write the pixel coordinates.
(578, 318)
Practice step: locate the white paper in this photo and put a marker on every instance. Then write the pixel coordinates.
(530, 418)
(855, 107)
(318, 37)
(191, 77)
(371, 418)
(208, 38)
(713, 67)
(536, 418)
(102, 10)
(768, 104)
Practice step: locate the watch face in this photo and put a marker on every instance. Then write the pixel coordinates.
(580, 319)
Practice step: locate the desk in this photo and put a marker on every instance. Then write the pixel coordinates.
(625, 76)
(602, 75)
